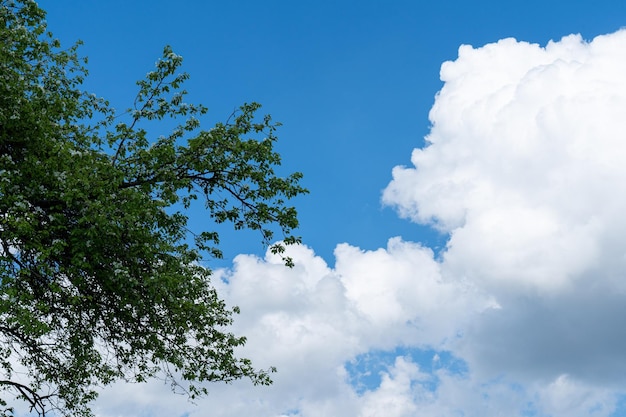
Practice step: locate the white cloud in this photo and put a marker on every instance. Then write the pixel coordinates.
(311, 320)
(396, 395)
(567, 398)
(524, 170)
(525, 160)
(319, 318)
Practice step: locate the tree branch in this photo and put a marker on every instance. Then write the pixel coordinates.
(35, 400)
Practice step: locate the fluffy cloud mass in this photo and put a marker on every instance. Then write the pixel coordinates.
(518, 315)
(523, 170)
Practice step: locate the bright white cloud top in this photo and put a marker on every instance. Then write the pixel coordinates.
(519, 315)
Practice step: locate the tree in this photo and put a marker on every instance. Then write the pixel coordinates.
(100, 278)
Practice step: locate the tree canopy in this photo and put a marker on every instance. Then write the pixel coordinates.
(100, 277)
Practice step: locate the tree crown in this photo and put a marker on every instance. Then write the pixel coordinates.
(99, 278)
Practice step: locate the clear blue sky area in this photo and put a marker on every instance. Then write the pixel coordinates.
(351, 81)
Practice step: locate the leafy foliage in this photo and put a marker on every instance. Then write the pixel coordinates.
(99, 278)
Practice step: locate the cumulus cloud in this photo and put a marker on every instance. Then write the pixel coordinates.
(523, 172)
(310, 320)
(524, 162)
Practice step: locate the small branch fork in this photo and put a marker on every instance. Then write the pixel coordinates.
(35, 400)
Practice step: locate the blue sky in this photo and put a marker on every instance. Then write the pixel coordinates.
(353, 84)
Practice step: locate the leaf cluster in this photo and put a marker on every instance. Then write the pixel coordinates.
(99, 279)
